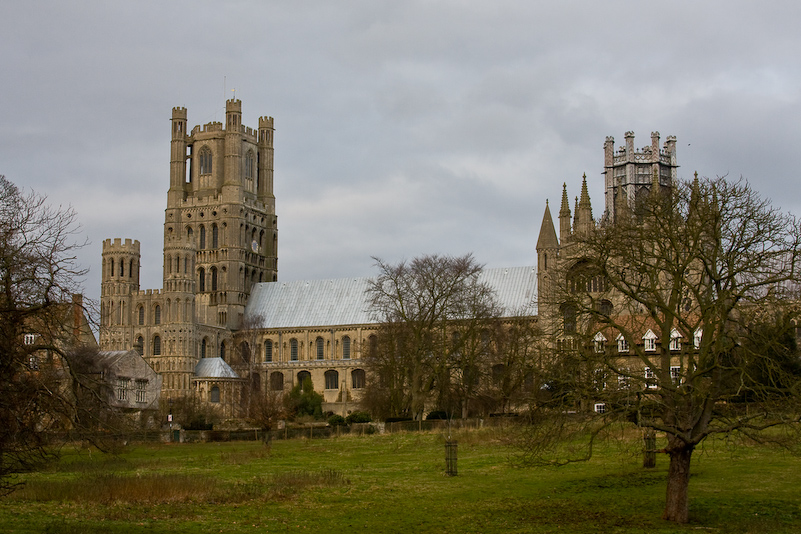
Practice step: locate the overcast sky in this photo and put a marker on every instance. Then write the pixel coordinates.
(402, 127)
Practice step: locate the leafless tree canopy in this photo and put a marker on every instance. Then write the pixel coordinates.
(38, 274)
(442, 336)
(711, 272)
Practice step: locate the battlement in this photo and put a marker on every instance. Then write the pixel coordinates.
(149, 292)
(648, 154)
(208, 127)
(117, 245)
(234, 105)
(179, 113)
(265, 122)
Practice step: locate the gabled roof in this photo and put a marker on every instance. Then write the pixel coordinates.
(214, 368)
(315, 303)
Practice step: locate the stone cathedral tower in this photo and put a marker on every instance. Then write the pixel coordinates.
(220, 237)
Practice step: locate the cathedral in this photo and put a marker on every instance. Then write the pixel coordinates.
(220, 238)
(223, 325)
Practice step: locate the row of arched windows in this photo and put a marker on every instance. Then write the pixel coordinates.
(319, 345)
(111, 265)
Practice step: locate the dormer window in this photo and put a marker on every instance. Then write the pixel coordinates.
(649, 341)
(622, 344)
(600, 343)
(675, 340)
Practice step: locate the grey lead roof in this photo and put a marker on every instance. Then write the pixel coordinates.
(313, 303)
(214, 368)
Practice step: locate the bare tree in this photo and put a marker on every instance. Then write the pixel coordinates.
(38, 275)
(432, 347)
(662, 319)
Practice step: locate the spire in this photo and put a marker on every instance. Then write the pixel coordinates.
(547, 239)
(584, 221)
(564, 216)
(576, 215)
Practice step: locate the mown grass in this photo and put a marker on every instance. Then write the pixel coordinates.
(396, 483)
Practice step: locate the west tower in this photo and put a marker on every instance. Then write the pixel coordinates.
(220, 237)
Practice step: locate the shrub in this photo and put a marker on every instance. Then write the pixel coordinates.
(336, 420)
(358, 417)
(437, 414)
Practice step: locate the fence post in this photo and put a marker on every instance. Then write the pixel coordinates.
(450, 457)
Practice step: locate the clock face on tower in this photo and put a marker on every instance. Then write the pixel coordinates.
(255, 246)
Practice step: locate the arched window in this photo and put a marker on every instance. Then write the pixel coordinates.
(303, 376)
(222, 350)
(346, 348)
(293, 349)
(250, 165)
(569, 318)
(214, 236)
(203, 348)
(111, 264)
(214, 394)
(244, 352)
(357, 378)
(277, 381)
(156, 346)
(331, 379)
(202, 237)
(268, 351)
(140, 345)
(141, 313)
(201, 279)
(205, 160)
(157, 314)
(605, 307)
(214, 278)
(373, 345)
(122, 268)
(189, 233)
(320, 344)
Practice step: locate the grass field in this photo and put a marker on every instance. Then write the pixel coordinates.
(396, 483)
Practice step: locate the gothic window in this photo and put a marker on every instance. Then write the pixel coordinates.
(141, 313)
(203, 348)
(277, 381)
(303, 376)
(215, 394)
(373, 345)
(346, 348)
(205, 160)
(189, 233)
(250, 165)
(293, 349)
(605, 307)
(222, 350)
(157, 314)
(140, 345)
(268, 351)
(111, 264)
(201, 278)
(156, 346)
(331, 379)
(214, 236)
(202, 237)
(122, 267)
(357, 378)
(214, 278)
(244, 352)
(320, 348)
(569, 318)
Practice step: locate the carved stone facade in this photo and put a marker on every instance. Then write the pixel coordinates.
(220, 238)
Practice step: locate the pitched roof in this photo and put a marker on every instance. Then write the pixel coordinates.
(214, 368)
(310, 303)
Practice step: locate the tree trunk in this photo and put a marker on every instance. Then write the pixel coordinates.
(676, 501)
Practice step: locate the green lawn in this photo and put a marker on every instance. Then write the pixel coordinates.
(396, 483)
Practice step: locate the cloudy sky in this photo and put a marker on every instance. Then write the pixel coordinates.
(402, 127)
